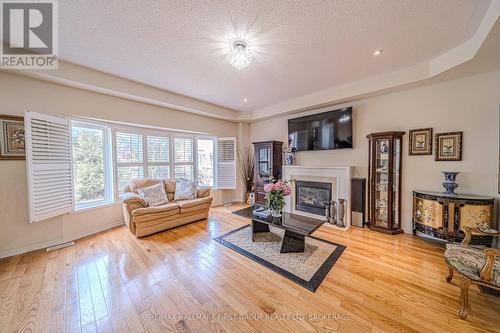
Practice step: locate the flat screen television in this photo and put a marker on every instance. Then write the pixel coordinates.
(321, 131)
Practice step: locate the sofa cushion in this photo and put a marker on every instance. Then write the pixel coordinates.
(154, 195)
(170, 188)
(203, 192)
(170, 208)
(132, 197)
(136, 184)
(194, 204)
(185, 189)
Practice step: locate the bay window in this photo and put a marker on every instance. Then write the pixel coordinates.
(76, 164)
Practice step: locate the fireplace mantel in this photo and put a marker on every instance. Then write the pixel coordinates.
(338, 176)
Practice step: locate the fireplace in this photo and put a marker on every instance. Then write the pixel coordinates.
(312, 197)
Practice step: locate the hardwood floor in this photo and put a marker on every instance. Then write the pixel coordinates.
(112, 281)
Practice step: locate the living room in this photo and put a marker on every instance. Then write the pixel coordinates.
(226, 166)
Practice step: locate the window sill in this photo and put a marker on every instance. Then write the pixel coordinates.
(92, 207)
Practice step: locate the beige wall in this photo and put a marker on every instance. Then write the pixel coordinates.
(18, 94)
(469, 104)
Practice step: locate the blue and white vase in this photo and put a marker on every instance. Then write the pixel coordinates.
(449, 183)
(290, 158)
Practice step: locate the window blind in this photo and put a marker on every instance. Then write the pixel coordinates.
(49, 167)
(226, 166)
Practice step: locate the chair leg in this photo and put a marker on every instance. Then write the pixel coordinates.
(450, 274)
(464, 296)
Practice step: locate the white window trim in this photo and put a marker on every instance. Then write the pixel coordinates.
(109, 197)
(214, 164)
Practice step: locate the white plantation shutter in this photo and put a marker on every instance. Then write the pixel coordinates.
(183, 150)
(226, 163)
(184, 158)
(48, 161)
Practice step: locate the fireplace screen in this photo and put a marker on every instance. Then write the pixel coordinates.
(312, 197)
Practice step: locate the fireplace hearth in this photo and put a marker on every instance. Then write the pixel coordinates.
(312, 197)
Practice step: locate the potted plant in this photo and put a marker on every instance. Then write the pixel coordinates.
(275, 196)
(246, 168)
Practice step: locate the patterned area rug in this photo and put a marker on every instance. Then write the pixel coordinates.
(307, 269)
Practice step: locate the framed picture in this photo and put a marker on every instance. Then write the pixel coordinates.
(449, 146)
(12, 138)
(420, 141)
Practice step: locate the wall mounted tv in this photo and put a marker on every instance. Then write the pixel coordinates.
(321, 131)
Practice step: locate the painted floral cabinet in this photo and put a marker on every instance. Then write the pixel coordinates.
(444, 216)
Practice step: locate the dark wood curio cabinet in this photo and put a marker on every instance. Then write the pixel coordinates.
(384, 181)
(268, 162)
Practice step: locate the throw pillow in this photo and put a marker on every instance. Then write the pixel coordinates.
(185, 189)
(154, 195)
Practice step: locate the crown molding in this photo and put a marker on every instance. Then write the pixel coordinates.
(385, 82)
(88, 79)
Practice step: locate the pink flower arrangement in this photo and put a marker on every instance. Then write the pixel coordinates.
(280, 186)
(275, 195)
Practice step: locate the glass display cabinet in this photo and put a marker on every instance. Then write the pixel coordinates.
(268, 161)
(384, 181)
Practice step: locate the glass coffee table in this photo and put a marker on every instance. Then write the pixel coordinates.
(296, 227)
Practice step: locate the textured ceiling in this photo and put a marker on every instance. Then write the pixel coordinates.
(298, 47)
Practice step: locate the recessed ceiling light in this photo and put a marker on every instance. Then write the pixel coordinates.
(239, 56)
(245, 100)
(378, 52)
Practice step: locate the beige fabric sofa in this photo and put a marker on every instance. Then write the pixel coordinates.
(143, 220)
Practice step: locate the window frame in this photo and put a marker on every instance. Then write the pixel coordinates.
(109, 197)
(214, 163)
(145, 132)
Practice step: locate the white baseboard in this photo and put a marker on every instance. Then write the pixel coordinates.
(43, 245)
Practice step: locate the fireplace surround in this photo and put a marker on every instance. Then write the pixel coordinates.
(312, 196)
(338, 176)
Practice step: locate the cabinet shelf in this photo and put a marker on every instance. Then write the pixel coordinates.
(384, 195)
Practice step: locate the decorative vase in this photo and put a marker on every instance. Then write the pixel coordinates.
(333, 212)
(290, 158)
(340, 214)
(449, 183)
(275, 213)
(251, 199)
(327, 211)
(275, 205)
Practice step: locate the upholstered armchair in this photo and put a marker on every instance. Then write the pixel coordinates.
(474, 265)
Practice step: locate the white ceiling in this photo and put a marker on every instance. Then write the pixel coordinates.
(298, 47)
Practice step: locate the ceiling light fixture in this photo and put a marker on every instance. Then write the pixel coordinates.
(378, 52)
(239, 56)
(245, 100)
